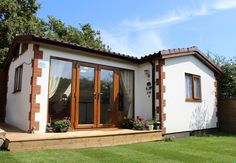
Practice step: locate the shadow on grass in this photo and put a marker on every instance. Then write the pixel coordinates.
(3, 150)
(215, 134)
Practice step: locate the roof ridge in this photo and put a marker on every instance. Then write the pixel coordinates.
(175, 52)
(82, 46)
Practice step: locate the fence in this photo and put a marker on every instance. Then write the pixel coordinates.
(227, 115)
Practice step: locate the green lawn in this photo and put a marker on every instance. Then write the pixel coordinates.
(220, 149)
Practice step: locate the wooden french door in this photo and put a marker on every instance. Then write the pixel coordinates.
(94, 88)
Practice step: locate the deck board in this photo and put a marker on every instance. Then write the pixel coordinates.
(17, 140)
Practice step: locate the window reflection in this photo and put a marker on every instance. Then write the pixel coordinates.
(107, 96)
(86, 95)
(60, 89)
(126, 95)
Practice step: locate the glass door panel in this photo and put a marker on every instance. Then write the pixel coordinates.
(106, 96)
(60, 90)
(86, 95)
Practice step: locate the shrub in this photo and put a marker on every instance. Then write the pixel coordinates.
(127, 123)
(139, 123)
(61, 125)
(151, 122)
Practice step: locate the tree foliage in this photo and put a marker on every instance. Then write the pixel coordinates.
(85, 35)
(19, 17)
(226, 81)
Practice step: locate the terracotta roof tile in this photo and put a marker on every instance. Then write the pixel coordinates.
(83, 46)
(147, 58)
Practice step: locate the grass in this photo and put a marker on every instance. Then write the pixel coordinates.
(218, 148)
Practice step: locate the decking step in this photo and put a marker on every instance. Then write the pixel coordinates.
(72, 141)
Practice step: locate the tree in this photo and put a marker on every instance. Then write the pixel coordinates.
(226, 81)
(19, 17)
(83, 36)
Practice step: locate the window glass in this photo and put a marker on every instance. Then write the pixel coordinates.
(192, 87)
(188, 86)
(18, 78)
(106, 96)
(86, 95)
(197, 92)
(126, 90)
(60, 89)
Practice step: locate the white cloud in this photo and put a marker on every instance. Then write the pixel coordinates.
(150, 24)
(138, 37)
(173, 17)
(224, 4)
(137, 44)
(118, 42)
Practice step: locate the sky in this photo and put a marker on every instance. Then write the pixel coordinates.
(138, 27)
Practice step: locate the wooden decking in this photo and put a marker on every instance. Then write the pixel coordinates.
(17, 140)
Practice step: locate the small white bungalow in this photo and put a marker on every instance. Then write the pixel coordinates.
(43, 79)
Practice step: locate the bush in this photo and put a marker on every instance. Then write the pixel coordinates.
(139, 123)
(227, 80)
(127, 123)
(151, 122)
(61, 125)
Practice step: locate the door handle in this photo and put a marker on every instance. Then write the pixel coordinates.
(95, 95)
(99, 94)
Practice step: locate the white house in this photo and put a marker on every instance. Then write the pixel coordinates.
(47, 79)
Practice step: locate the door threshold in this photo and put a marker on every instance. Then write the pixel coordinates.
(93, 129)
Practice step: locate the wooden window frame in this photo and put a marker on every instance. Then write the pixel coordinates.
(18, 79)
(74, 97)
(194, 98)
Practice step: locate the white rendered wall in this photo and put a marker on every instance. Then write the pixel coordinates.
(186, 116)
(143, 107)
(142, 101)
(18, 104)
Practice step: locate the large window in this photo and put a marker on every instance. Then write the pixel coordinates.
(60, 89)
(18, 78)
(193, 87)
(126, 93)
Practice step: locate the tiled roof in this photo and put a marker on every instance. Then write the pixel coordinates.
(147, 58)
(83, 47)
(171, 53)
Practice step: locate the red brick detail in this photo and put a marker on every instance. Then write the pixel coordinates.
(35, 89)
(163, 75)
(215, 83)
(161, 62)
(164, 116)
(164, 103)
(160, 93)
(37, 54)
(216, 102)
(164, 88)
